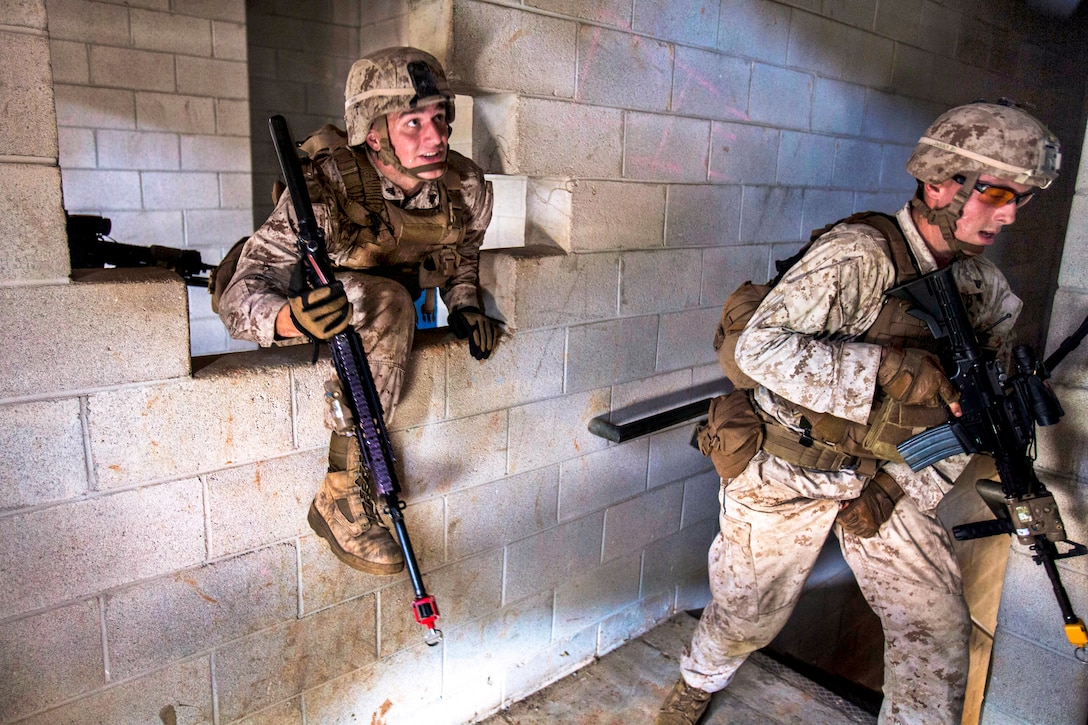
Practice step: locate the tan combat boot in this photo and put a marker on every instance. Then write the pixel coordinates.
(684, 705)
(343, 513)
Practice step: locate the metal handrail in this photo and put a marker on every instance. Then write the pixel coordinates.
(602, 427)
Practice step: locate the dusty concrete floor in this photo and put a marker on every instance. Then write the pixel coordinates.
(626, 686)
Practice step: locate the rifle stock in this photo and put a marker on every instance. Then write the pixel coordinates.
(999, 417)
(352, 368)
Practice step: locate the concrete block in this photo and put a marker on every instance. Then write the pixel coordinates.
(137, 150)
(554, 430)
(507, 48)
(590, 596)
(1060, 445)
(652, 282)
(673, 458)
(145, 228)
(1074, 268)
(868, 59)
(113, 351)
(236, 191)
(616, 215)
(215, 153)
(726, 269)
(701, 498)
(887, 118)
(771, 214)
(702, 216)
(76, 148)
(529, 569)
(525, 367)
(806, 159)
(288, 712)
(34, 246)
(325, 581)
(606, 61)
(641, 398)
(860, 15)
(759, 29)
(600, 479)
(251, 506)
(857, 164)
(278, 662)
(939, 27)
(507, 227)
(99, 543)
(1034, 683)
(497, 513)
(901, 22)
(216, 228)
(632, 524)
(592, 361)
(629, 623)
(182, 692)
(893, 169)
(231, 117)
(146, 433)
(229, 40)
(439, 458)
(90, 22)
(90, 107)
(822, 207)
(743, 154)
(616, 13)
(212, 77)
(780, 97)
(692, 22)
(168, 112)
(171, 32)
(26, 14)
(558, 138)
(560, 659)
(51, 657)
(232, 10)
(889, 203)
(41, 453)
(816, 44)
(162, 190)
(710, 84)
(666, 148)
(477, 652)
(158, 622)
(463, 590)
(423, 397)
(667, 561)
(675, 346)
(559, 290)
(113, 67)
(837, 107)
(393, 689)
(69, 61)
(94, 190)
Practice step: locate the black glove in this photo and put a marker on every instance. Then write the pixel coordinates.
(321, 312)
(482, 332)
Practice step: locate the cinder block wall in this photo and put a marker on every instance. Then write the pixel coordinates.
(153, 546)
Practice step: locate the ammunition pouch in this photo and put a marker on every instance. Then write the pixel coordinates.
(732, 434)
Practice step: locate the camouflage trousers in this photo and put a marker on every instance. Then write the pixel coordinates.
(773, 525)
(384, 315)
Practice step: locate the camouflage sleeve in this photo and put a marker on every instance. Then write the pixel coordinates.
(799, 344)
(462, 290)
(991, 304)
(258, 289)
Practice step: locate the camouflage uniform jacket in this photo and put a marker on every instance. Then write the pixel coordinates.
(258, 289)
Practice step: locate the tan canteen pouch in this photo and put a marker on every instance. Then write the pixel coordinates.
(732, 434)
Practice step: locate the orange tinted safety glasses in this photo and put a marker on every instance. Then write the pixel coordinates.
(997, 196)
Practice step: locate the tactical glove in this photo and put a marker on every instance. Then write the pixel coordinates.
(864, 515)
(322, 312)
(915, 377)
(482, 332)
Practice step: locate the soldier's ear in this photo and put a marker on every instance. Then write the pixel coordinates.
(373, 140)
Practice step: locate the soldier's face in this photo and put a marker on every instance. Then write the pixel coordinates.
(982, 219)
(419, 137)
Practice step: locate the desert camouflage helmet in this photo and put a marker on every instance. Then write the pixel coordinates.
(987, 138)
(392, 80)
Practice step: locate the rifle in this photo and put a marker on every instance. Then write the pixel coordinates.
(90, 247)
(354, 372)
(999, 417)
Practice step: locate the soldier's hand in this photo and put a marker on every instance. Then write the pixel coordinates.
(482, 332)
(321, 312)
(865, 514)
(915, 377)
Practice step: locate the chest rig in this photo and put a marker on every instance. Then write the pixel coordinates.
(417, 247)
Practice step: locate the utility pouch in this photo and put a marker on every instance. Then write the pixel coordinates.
(220, 276)
(732, 434)
(737, 310)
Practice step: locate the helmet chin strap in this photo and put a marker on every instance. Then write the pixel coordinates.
(946, 217)
(388, 155)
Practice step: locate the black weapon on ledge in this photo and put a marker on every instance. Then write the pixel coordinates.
(90, 247)
(353, 370)
(1000, 412)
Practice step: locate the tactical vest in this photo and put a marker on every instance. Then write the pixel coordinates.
(830, 443)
